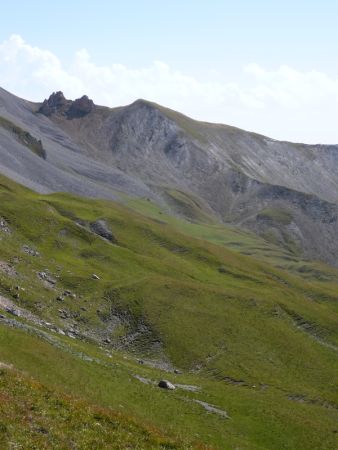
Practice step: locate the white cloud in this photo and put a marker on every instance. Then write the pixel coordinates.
(290, 88)
(285, 103)
(31, 71)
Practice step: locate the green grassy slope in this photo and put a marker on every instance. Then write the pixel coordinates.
(33, 416)
(235, 238)
(258, 335)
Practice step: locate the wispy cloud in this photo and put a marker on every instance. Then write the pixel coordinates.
(284, 103)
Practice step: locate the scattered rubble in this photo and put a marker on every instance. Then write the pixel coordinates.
(47, 279)
(30, 251)
(188, 387)
(143, 379)
(7, 269)
(4, 226)
(66, 293)
(64, 314)
(212, 408)
(69, 294)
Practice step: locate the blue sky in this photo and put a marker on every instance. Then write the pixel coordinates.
(267, 66)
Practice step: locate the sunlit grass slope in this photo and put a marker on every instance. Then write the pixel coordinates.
(255, 333)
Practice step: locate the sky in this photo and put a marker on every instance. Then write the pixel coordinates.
(265, 66)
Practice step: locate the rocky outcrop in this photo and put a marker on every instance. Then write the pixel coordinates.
(24, 137)
(80, 107)
(100, 228)
(58, 104)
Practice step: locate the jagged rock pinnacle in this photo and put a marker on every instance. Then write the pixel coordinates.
(58, 104)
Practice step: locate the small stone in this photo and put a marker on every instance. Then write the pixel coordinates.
(95, 277)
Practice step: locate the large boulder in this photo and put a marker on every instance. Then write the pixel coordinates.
(100, 228)
(165, 384)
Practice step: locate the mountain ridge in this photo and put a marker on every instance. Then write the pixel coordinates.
(149, 151)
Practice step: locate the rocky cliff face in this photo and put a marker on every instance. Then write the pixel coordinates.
(286, 192)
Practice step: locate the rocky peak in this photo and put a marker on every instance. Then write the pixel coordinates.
(54, 104)
(57, 99)
(58, 104)
(80, 107)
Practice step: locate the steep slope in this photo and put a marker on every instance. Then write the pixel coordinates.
(148, 138)
(29, 420)
(65, 167)
(248, 340)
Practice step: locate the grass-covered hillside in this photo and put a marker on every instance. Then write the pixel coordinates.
(100, 301)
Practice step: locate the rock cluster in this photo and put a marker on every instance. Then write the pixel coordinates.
(4, 226)
(58, 104)
(30, 251)
(47, 279)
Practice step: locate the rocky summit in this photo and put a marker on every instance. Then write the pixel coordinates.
(59, 105)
